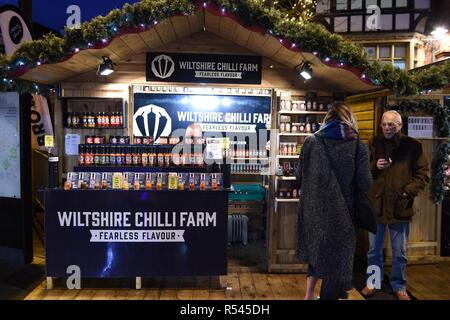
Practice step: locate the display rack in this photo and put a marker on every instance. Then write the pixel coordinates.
(286, 141)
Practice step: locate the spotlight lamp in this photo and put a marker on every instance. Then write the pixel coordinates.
(305, 71)
(106, 67)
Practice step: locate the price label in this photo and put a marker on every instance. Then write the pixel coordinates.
(173, 181)
(48, 140)
(117, 181)
(225, 143)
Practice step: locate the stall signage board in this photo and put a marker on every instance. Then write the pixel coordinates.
(420, 127)
(242, 119)
(204, 68)
(110, 233)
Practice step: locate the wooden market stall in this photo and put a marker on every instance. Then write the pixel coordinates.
(209, 32)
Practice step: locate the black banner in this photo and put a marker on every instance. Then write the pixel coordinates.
(112, 233)
(204, 68)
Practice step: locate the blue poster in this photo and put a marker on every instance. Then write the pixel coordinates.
(159, 115)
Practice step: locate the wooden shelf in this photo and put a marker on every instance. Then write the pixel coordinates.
(287, 200)
(434, 138)
(286, 178)
(95, 128)
(250, 159)
(295, 134)
(250, 174)
(302, 112)
(288, 157)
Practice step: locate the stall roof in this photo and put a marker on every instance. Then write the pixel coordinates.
(170, 30)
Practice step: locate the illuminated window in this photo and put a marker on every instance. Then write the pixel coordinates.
(395, 54)
(384, 52)
(371, 52)
(401, 3)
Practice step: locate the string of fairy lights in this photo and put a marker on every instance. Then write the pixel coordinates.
(289, 21)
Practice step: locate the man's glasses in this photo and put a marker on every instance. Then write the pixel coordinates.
(389, 124)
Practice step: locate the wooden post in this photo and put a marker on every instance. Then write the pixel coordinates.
(138, 283)
(49, 283)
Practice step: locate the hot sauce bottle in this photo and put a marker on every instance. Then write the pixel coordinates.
(120, 116)
(181, 181)
(68, 183)
(137, 184)
(152, 157)
(202, 182)
(192, 181)
(167, 156)
(113, 155)
(148, 181)
(159, 182)
(96, 155)
(144, 156)
(128, 156)
(81, 155)
(125, 183)
(214, 185)
(136, 156)
(104, 181)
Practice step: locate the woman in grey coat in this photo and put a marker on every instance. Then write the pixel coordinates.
(326, 233)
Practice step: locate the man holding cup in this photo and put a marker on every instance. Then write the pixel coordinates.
(400, 170)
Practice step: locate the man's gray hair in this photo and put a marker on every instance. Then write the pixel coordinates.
(395, 114)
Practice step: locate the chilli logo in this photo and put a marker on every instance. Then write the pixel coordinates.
(163, 66)
(152, 121)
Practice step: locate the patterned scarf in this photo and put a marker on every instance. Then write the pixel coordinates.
(337, 130)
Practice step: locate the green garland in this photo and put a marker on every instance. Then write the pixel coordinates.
(435, 77)
(308, 36)
(440, 113)
(437, 172)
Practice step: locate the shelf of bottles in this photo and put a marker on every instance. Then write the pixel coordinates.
(150, 181)
(125, 155)
(95, 120)
(249, 169)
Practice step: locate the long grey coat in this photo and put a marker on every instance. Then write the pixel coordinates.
(326, 234)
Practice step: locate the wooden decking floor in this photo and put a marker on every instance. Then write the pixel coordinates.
(246, 280)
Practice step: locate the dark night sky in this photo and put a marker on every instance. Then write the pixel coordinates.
(52, 13)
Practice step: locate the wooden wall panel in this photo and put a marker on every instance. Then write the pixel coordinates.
(364, 111)
(180, 26)
(165, 31)
(227, 28)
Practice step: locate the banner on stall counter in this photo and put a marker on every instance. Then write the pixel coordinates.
(14, 31)
(143, 233)
(159, 115)
(41, 123)
(204, 68)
